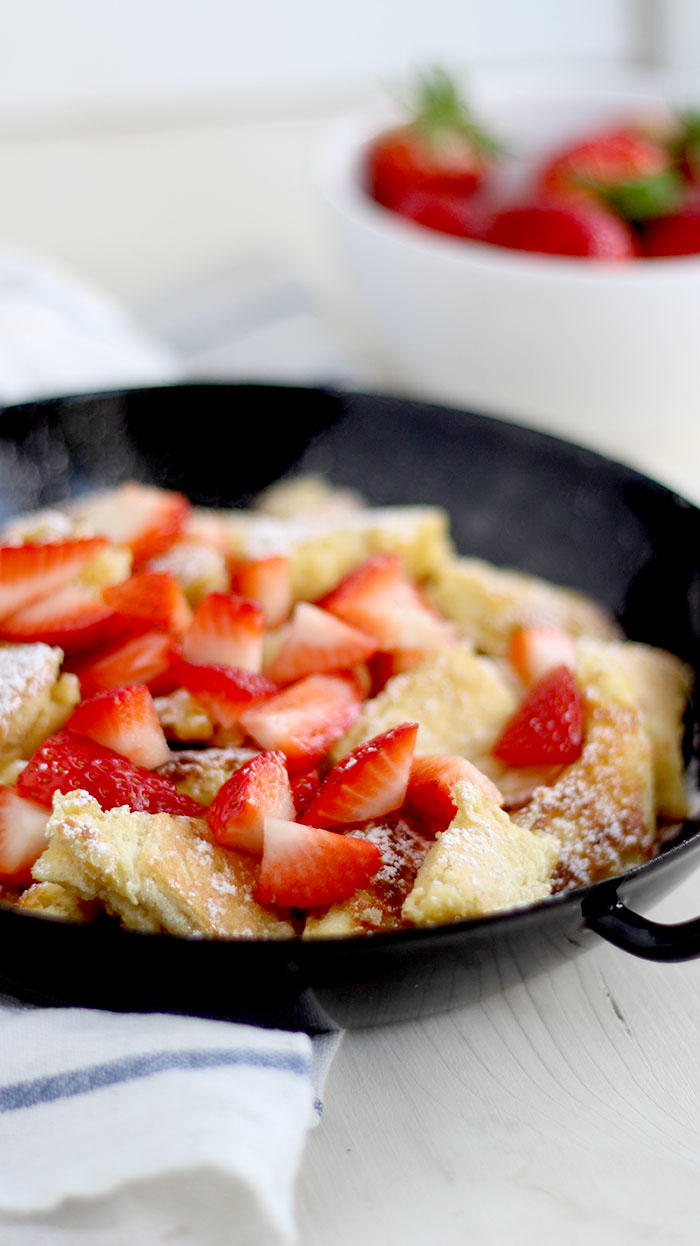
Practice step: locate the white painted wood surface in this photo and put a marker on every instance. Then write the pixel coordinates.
(565, 1109)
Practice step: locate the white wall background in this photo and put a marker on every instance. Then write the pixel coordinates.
(96, 61)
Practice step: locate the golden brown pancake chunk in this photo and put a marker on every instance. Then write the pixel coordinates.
(200, 773)
(35, 699)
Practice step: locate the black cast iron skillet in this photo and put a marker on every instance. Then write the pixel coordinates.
(516, 497)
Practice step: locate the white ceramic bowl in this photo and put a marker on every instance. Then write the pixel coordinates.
(605, 353)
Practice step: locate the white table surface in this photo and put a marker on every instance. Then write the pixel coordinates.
(566, 1108)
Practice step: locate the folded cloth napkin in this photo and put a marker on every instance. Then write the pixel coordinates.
(120, 1128)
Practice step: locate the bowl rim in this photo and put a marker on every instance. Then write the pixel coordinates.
(338, 160)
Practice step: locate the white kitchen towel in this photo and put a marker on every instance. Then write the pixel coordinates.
(121, 1128)
(149, 1116)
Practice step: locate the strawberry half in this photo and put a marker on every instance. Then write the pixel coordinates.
(72, 617)
(547, 728)
(305, 867)
(225, 692)
(123, 719)
(430, 786)
(532, 651)
(304, 719)
(150, 601)
(267, 581)
(316, 642)
(28, 572)
(68, 762)
(143, 517)
(259, 789)
(22, 835)
(380, 600)
(226, 630)
(145, 659)
(368, 783)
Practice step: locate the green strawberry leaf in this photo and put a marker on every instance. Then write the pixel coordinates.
(438, 109)
(640, 200)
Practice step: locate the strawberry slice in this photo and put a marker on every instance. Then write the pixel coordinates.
(316, 642)
(226, 630)
(532, 651)
(125, 720)
(225, 692)
(304, 788)
(67, 762)
(143, 517)
(368, 783)
(72, 617)
(379, 599)
(430, 786)
(22, 835)
(259, 789)
(28, 572)
(306, 867)
(304, 719)
(150, 601)
(547, 728)
(383, 666)
(144, 659)
(267, 581)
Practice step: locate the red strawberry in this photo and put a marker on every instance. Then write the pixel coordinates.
(379, 599)
(304, 719)
(315, 642)
(150, 601)
(123, 719)
(267, 581)
(678, 234)
(226, 630)
(259, 789)
(579, 228)
(368, 783)
(67, 762)
(28, 572)
(626, 168)
(72, 617)
(440, 149)
(145, 518)
(144, 659)
(304, 867)
(304, 788)
(547, 728)
(383, 666)
(532, 651)
(225, 692)
(431, 784)
(22, 836)
(443, 211)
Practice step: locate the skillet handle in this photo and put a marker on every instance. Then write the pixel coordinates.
(650, 940)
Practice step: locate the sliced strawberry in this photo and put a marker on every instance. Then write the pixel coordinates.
(383, 666)
(22, 835)
(304, 867)
(145, 518)
(304, 788)
(368, 783)
(379, 599)
(150, 601)
(227, 630)
(431, 784)
(304, 719)
(67, 762)
(125, 720)
(225, 692)
(268, 581)
(533, 651)
(28, 572)
(547, 728)
(143, 659)
(72, 617)
(316, 642)
(259, 789)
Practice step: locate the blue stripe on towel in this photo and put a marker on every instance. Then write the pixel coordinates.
(38, 1090)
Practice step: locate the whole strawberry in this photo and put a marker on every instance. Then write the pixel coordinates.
(627, 169)
(580, 228)
(440, 150)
